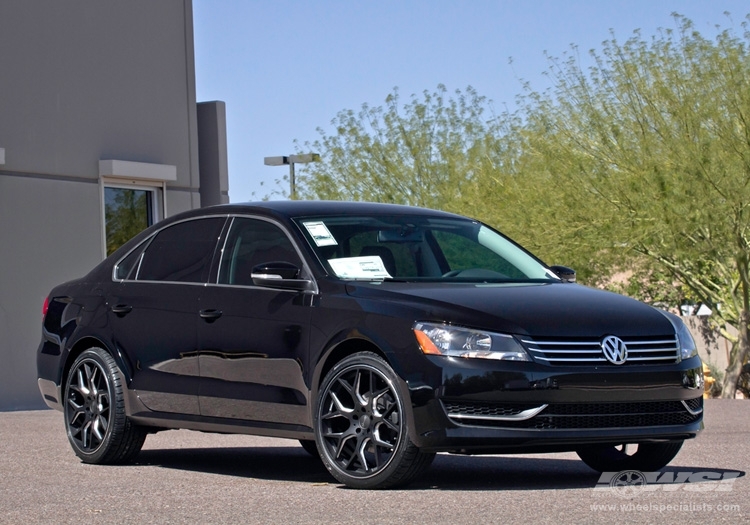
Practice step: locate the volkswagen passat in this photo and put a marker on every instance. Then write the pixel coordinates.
(376, 335)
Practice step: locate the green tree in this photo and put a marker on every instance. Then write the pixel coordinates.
(126, 215)
(421, 153)
(653, 141)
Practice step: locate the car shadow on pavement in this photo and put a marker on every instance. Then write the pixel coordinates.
(447, 472)
(271, 463)
(523, 473)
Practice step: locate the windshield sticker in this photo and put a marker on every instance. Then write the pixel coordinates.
(369, 267)
(320, 234)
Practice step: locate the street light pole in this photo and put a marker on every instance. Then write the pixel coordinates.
(291, 160)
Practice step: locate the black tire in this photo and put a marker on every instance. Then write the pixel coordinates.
(361, 428)
(98, 429)
(648, 457)
(310, 447)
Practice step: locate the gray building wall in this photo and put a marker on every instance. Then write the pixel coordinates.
(212, 137)
(82, 81)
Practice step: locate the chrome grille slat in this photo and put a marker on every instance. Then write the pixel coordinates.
(599, 351)
(641, 350)
(566, 416)
(572, 360)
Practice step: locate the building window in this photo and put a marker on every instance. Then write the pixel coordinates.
(127, 212)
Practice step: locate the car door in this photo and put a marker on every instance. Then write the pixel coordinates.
(255, 349)
(154, 313)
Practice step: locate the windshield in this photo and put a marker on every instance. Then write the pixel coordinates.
(413, 248)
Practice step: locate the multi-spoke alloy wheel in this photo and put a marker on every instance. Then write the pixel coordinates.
(361, 428)
(88, 406)
(97, 426)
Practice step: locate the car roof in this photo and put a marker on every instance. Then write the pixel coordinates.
(296, 208)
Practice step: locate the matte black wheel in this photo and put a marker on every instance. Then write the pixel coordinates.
(361, 429)
(95, 419)
(645, 457)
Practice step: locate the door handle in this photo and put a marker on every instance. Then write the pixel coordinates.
(121, 310)
(210, 315)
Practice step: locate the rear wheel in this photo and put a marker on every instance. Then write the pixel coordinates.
(361, 429)
(98, 429)
(646, 457)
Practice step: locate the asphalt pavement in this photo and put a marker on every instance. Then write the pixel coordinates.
(190, 477)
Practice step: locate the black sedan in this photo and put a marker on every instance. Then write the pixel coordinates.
(376, 335)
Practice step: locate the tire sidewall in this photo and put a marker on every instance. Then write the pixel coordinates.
(371, 360)
(109, 368)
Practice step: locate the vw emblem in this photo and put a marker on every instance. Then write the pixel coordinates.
(614, 350)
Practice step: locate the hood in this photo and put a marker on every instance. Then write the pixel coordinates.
(529, 309)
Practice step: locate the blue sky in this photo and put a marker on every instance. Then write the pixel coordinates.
(285, 68)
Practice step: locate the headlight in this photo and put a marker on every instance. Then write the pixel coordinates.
(685, 339)
(688, 348)
(452, 341)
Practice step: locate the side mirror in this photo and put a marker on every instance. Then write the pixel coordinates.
(563, 272)
(280, 274)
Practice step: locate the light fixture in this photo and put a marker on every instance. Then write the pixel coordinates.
(291, 160)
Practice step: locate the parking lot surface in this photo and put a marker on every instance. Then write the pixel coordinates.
(190, 477)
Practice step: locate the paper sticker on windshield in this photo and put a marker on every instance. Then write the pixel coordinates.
(320, 234)
(369, 267)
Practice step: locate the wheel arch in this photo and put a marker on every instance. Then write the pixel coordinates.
(411, 460)
(350, 342)
(85, 343)
(340, 350)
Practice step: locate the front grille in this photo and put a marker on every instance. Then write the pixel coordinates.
(641, 350)
(696, 405)
(569, 416)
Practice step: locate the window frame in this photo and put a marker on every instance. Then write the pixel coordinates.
(305, 270)
(144, 245)
(220, 252)
(158, 200)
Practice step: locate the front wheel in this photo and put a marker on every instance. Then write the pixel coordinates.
(646, 457)
(310, 447)
(98, 429)
(361, 429)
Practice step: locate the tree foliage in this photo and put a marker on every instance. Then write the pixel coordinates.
(640, 162)
(656, 137)
(421, 153)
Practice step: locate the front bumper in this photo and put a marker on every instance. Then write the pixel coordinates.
(473, 406)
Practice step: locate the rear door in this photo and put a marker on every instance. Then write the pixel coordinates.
(155, 311)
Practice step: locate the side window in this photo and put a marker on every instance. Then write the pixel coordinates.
(128, 267)
(252, 242)
(182, 252)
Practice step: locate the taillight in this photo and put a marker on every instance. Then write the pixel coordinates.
(45, 306)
